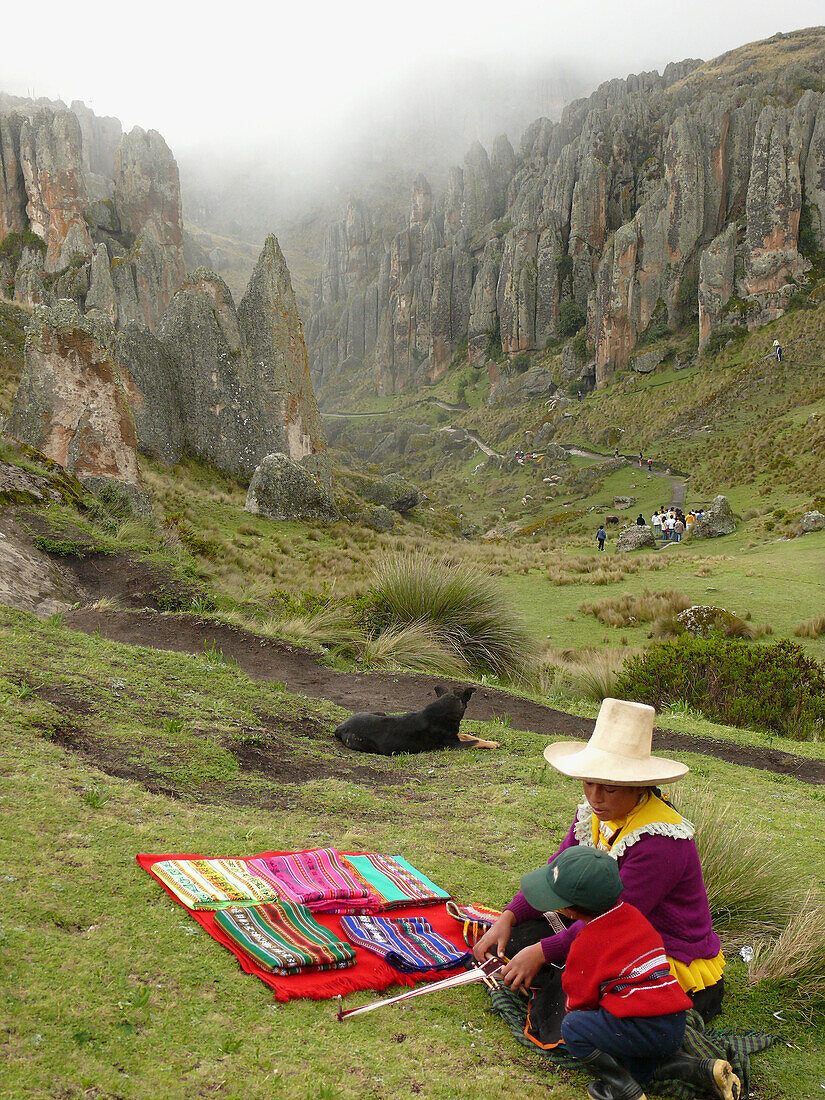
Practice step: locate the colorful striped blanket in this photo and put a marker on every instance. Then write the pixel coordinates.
(284, 939)
(213, 883)
(408, 945)
(317, 879)
(394, 882)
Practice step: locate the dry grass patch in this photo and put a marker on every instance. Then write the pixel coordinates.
(811, 628)
(586, 674)
(628, 609)
(796, 957)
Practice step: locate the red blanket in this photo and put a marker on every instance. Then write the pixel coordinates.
(369, 971)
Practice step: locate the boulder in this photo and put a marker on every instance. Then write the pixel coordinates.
(717, 519)
(395, 492)
(811, 521)
(635, 538)
(71, 403)
(284, 489)
(648, 361)
(379, 519)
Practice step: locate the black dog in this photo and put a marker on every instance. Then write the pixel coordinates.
(433, 727)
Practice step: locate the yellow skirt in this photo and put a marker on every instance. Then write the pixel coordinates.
(698, 975)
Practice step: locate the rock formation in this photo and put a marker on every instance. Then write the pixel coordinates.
(87, 212)
(656, 197)
(72, 406)
(283, 489)
(717, 519)
(635, 538)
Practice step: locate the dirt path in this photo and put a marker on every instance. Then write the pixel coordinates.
(263, 659)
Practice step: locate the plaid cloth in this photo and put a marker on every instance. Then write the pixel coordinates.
(410, 945)
(734, 1047)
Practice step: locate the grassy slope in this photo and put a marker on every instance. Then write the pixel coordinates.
(109, 990)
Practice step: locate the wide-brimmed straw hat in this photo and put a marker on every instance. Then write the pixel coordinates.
(618, 751)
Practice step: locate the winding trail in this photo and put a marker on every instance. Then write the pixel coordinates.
(268, 660)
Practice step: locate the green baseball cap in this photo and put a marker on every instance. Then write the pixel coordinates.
(585, 878)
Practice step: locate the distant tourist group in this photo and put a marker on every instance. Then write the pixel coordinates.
(670, 524)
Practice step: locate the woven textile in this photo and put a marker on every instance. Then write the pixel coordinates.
(213, 883)
(284, 938)
(394, 882)
(734, 1047)
(369, 972)
(408, 945)
(317, 879)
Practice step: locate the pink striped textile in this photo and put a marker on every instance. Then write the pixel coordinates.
(317, 879)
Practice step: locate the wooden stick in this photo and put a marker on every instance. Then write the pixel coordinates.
(481, 972)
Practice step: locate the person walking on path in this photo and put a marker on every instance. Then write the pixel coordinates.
(678, 530)
(601, 535)
(777, 350)
(640, 460)
(649, 465)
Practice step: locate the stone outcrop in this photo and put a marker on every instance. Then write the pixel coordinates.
(657, 197)
(72, 406)
(717, 519)
(105, 205)
(811, 521)
(229, 385)
(282, 489)
(635, 538)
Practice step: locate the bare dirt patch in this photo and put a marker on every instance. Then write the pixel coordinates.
(272, 661)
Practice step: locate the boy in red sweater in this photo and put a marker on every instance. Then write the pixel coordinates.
(626, 1013)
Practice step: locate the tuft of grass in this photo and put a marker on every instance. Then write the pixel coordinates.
(412, 647)
(627, 609)
(591, 674)
(332, 627)
(811, 628)
(749, 887)
(796, 957)
(461, 607)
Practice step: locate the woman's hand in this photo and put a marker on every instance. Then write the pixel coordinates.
(523, 967)
(494, 940)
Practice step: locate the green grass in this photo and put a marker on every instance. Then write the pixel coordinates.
(109, 989)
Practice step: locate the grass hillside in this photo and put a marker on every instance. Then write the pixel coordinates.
(110, 749)
(108, 988)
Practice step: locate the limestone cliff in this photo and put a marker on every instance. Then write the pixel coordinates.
(656, 198)
(87, 212)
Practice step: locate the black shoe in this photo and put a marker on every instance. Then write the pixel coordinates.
(715, 1075)
(598, 1090)
(613, 1082)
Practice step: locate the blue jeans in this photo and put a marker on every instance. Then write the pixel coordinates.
(639, 1043)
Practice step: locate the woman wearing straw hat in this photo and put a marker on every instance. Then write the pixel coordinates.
(625, 814)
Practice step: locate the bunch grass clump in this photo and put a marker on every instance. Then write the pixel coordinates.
(811, 628)
(589, 674)
(796, 957)
(412, 647)
(459, 606)
(748, 885)
(627, 609)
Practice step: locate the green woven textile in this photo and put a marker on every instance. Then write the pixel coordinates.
(735, 1047)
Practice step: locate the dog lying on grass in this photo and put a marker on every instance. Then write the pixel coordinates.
(433, 727)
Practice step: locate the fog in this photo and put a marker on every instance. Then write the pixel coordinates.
(281, 105)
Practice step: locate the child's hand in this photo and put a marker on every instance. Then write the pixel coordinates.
(523, 967)
(494, 940)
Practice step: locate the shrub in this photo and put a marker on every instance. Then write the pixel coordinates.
(771, 687)
(720, 338)
(571, 318)
(459, 606)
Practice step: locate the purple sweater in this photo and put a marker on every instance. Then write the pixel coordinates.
(662, 878)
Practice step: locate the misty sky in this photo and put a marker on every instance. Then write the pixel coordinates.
(294, 73)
